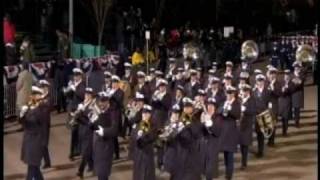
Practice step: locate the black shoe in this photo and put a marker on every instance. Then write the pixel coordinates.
(90, 170)
(271, 144)
(80, 175)
(259, 155)
(46, 166)
(71, 157)
(242, 168)
(116, 158)
(297, 125)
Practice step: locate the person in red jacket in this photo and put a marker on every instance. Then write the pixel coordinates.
(9, 30)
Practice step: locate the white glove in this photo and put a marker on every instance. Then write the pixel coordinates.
(270, 105)
(93, 118)
(174, 125)
(180, 126)
(99, 131)
(208, 123)
(229, 108)
(243, 108)
(134, 126)
(73, 87)
(80, 107)
(23, 111)
(140, 133)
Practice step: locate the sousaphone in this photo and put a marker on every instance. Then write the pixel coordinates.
(249, 50)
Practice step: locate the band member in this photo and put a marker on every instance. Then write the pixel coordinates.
(285, 101)
(146, 134)
(172, 69)
(77, 88)
(161, 103)
(248, 115)
(116, 104)
(216, 92)
(230, 112)
(274, 88)
(179, 95)
(245, 67)
(46, 105)
(262, 98)
(227, 82)
(297, 97)
(191, 88)
(243, 79)
(215, 68)
(134, 116)
(169, 135)
(199, 103)
(32, 116)
(200, 76)
(84, 112)
(107, 81)
(151, 78)
(177, 79)
(106, 128)
(143, 87)
(253, 78)
(229, 68)
(210, 143)
(209, 79)
(187, 157)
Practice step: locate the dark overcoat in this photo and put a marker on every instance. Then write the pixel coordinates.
(33, 139)
(230, 133)
(143, 160)
(247, 121)
(210, 148)
(103, 147)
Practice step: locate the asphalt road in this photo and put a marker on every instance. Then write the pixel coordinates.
(294, 157)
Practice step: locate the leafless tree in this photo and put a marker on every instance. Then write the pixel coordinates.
(98, 9)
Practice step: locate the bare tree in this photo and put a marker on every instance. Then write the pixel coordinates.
(98, 9)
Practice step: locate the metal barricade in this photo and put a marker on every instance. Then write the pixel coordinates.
(10, 100)
(10, 96)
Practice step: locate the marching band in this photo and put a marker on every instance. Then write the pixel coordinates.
(178, 122)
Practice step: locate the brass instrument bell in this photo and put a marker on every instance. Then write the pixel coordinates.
(249, 50)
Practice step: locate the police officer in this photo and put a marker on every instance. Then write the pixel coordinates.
(275, 54)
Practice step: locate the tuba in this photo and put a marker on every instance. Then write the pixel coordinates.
(305, 53)
(249, 50)
(266, 123)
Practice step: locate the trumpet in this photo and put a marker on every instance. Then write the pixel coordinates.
(170, 128)
(144, 127)
(81, 107)
(67, 89)
(132, 110)
(158, 95)
(94, 113)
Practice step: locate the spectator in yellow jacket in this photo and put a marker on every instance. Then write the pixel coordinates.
(137, 57)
